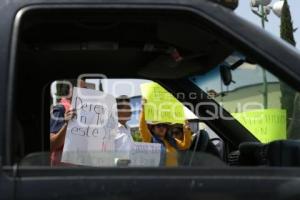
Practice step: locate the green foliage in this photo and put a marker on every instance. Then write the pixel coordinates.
(288, 94)
(286, 27)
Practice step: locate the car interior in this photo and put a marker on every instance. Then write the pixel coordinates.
(168, 47)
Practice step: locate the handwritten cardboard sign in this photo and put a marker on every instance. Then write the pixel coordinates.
(266, 125)
(161, 106)
(90, 136)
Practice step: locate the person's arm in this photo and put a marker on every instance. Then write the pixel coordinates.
(57, 139)
(144, 131)
(187, 138)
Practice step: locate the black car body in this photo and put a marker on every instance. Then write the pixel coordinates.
(36, 37)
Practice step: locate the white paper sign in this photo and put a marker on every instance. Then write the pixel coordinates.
(90, 136)
(145, 154)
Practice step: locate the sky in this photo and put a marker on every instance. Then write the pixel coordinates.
(273, 26)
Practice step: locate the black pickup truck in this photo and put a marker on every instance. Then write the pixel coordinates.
(196, 48)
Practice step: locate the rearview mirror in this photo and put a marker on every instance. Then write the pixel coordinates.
(226, 75)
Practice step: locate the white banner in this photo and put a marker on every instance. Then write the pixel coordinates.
(90, 135)
(145, 154)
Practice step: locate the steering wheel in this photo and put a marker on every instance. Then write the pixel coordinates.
(202, 143)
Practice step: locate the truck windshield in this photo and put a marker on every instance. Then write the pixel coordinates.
(265, 105)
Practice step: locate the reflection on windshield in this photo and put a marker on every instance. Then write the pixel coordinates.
(255, 97)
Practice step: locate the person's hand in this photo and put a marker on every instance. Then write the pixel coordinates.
(186, 126)
(144, 101)
(70, 114)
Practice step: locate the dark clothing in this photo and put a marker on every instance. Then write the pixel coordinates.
(57, 118)
(56, 123)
